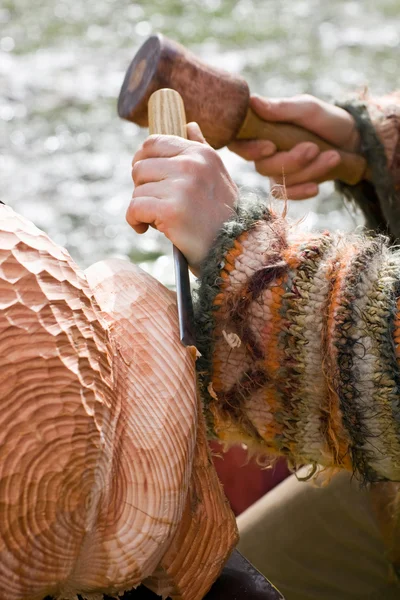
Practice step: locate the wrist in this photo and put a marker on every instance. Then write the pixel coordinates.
(376, 199)
(354, 142)
(207, 228)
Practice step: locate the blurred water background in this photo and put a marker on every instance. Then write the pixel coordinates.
(65, 155)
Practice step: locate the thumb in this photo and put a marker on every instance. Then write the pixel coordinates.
(261, 106)
(194, 133)
(282, 109)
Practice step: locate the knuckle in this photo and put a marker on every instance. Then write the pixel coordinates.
(189, 163)
(129, 215)
(305, 98)
(171, 213)
(150, 142)
(153, 139)
(208, 153)
(188, 185)
(135, 169)
(310, 104)
(147, 144)
(194, 163)
(136, 193)
(137, 154)
(201, 154)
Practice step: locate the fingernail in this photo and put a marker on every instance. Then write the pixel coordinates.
(311, 152)
(333, 158)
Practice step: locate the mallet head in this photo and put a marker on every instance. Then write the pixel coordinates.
(215, 99)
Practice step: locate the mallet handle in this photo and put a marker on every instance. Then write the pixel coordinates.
(351, 170)
(167, 116)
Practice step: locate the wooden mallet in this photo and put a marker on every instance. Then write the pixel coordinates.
(217, 100)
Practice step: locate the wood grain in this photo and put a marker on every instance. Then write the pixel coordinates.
(98, 422)
(167, 113)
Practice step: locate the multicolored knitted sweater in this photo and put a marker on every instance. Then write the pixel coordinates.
(300, 333)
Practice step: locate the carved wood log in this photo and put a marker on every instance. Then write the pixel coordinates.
(98, 420)
(206, 535)
(207, 531)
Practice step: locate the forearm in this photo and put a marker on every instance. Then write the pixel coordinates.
(298, 340)
(378, 122)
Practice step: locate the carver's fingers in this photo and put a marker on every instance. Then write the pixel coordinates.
(152, 189)
(157, 203)
(302, 191)
(142, 212)
(140, 228)
(292, 161)
(152, 169)
(161, 146)
(330, 122)
(318, 169)
(298, 109)
(146, 168)
(253, 150)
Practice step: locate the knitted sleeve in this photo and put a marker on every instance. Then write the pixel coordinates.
(378, 121)
(300, 341)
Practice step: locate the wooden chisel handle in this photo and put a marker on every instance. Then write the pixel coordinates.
(167, 116)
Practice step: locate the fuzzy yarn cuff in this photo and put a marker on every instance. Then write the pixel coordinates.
(299, 337)
(249, 210)
(379, 128)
